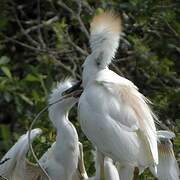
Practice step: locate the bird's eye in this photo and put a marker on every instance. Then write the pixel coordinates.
(98, 63)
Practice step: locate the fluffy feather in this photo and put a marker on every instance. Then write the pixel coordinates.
(167, 167)
(105, 34)
(18, 166)
(61, 87)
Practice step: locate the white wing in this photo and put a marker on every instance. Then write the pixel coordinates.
(132, 110)
(167, 168)
(17, 154)
(47, 155)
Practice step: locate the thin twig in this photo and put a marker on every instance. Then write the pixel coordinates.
(78, 48)
(30, 39)
(39, 21)
(77, 17)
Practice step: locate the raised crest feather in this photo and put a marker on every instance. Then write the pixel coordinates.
(105, 34)
(106, 21)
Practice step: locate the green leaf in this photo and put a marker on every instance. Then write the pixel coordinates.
(4, 60)
(6, 71)
(26, 99)
(32, 78)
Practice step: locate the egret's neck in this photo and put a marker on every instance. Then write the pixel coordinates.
(58, 114)
(90, 73)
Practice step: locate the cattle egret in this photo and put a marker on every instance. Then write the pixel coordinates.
(113, 114)
(62, 160)
(18, 167)
(167, 169)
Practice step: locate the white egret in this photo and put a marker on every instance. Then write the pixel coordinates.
(113, 114)
(167, 169)
(18, 167)
(62, 160)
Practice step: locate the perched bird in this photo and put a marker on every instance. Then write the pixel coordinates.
(18, 167)
(167, 168)
(61, 161)
(113, 114)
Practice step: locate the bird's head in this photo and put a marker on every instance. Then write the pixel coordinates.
(64, 101)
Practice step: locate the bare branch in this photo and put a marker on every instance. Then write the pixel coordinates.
(39, 21)
(30, 39)
(76, 16)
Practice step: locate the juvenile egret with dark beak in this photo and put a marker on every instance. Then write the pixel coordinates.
(113, 114)
(61, 161)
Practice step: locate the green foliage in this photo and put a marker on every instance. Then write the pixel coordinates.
(35, 55)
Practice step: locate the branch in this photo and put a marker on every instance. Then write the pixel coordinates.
(30, 39)
(39, 21)
(76, 16)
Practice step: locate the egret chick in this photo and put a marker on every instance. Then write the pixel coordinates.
(18, 167)
(62, 160)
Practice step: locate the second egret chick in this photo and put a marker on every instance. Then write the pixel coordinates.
(18, 167)
(62, 160)
(167, 168)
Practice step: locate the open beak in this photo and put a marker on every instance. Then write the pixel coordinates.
(74, 91)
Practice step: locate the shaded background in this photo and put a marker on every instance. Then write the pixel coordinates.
(41, 42)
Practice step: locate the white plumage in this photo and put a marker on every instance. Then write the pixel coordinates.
(18, 167)
(113, 114)
(61, 161)
(167, 169)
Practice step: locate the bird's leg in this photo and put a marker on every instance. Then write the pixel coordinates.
(81, 166)
(100, 156)
(136, 173)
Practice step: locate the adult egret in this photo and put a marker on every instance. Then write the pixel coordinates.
(18, 167)
(167, 169)
(113, 114)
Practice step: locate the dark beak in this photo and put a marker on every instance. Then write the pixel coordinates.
(75, 90)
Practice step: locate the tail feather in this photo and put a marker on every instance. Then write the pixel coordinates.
(168, 166)
(105, 34)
